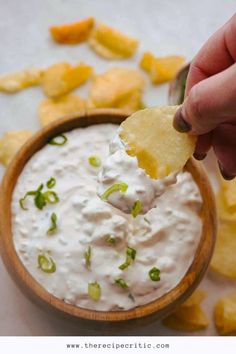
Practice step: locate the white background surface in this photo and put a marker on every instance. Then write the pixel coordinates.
(165, 27)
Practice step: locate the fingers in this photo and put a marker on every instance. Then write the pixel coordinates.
(210, 103)
(224, 145)
(203, 146)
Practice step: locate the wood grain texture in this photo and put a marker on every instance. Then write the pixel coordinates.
(151, 311)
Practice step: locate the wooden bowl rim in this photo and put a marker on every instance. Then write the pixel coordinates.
(35, 291)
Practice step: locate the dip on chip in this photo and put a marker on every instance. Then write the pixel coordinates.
(225, 315)
(112, 44)
(11, 83)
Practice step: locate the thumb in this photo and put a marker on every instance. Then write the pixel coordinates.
(209, 103)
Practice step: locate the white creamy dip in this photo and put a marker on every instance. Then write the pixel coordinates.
(119, 167)
(165, 238)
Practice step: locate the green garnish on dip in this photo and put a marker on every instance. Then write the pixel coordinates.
(58, 140)
(53, 227)
(122, 283)
(46, 263)
(117, 187)
(87, 256)
(94, 161)
(111, 240)
(51, 197)
(154, 274)
(94, 291)
(51, 183)
(137, 207)
(40, 198)
(130, 257)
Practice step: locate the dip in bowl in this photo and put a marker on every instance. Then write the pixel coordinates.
(74, 252)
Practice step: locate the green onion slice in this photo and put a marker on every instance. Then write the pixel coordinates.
(53, 227)
(117, 187)
(122, 283)
(51, 197)
(130, 257)
(94, 161)
(51, 183)
(111, 240)
(94, 291)
(137, 207)
(46, 263)
(58, 140)
(22, 200)
(154, 274)
(87, 256)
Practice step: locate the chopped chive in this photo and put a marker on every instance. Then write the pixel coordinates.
(154, 274)
(94, 291)
(58, 140)
(147, 221)
(122, 283)
(130, 257)
(117, 187)
(51, 183)
(53, 227)
(46, 263)
(87, 256)
(51, 197)
(111, 240)
(137, 207)
(22, 200)
(94, 161)
(131, 297)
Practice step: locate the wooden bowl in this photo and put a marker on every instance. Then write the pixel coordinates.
(156, 309)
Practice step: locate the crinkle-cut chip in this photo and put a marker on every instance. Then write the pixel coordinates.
(225, 315)
(14, 82)
(72, 33)
(10, 143)
(50, 110)
(61, 78)
(161, 69)
(115, 86)
(159, 148)
(224, 260)
(112, 44)
(187, 319)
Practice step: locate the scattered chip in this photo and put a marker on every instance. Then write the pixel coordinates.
(50, 110)
(225, 315)
(10, 143)
(189, 316)
(159, 148)
(11, 83)
(61, 78)
(117, 88)
(161, 69)
(72, 33)
(112, 44)
(224, 260)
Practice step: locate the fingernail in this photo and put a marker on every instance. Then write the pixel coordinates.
(199, 156)
(225, 175)
(180, 123)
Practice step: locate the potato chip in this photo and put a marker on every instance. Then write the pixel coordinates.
(117, 88)
(159, 148)
(72, 33)
(161, 69)
(112, 44)
(50, 110)
(225, 315)
(20, 80)
(10, 143)
(224, 260)
(61, 78)
(189, 316)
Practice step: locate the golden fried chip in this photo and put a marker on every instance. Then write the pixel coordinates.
(72, 33)
(50, 110)
(20, 80)
(159, 148)
(112, 44)
(61, 78)
(189, 316)
(225, 315)
(224, 260)
(10, 143)
(117, 88)
(161, 69)
(229, 193)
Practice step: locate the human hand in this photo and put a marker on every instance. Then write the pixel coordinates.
(209, 109)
